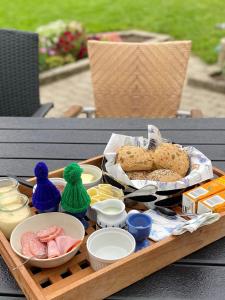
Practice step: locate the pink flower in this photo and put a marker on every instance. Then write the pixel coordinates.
(51, 52)
(43, 50)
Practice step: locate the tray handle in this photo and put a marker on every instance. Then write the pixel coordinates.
(218, 172)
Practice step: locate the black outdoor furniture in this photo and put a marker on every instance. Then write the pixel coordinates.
(19, 81)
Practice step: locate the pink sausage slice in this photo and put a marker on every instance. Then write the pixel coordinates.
(38, 249)
(26, 236)
(58, 232)
(53, 250)
(66, 243)
(46, 232)
(31, 246)
(25, 243)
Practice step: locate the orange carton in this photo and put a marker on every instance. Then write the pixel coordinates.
(190, 198)
(214, 203)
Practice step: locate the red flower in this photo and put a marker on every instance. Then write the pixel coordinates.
(83, 52)
(65, 43)
(68, 36)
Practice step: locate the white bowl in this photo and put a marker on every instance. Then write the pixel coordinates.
(106, 246)
(71, 225)
(93, 170)
(58, 181)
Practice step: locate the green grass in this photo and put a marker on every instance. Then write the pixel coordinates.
(190, 19)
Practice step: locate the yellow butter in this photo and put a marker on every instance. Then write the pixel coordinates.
(92, 192)
(103, 192)
(87, 178)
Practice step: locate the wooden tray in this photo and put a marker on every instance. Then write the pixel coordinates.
(77, 280)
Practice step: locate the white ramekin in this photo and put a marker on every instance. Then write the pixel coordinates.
(108, 245)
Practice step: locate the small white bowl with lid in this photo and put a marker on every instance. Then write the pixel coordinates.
(108, 245)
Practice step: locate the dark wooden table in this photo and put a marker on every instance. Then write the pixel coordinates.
(25, 141)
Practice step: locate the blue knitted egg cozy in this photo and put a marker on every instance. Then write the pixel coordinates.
(46, 195)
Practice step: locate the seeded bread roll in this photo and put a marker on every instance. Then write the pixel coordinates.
(157, 175)
(164, 175)
(172, 157)
(138, 175)
(133, 158)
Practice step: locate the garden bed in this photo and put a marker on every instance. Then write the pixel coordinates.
(212, 80)
(83, 64)
(219, 76)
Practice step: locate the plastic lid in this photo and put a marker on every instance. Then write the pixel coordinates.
(7, 184)
(13, 203)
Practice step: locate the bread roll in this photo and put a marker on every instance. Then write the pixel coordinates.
(164, 175)
(172, 157)
(157, 175)
(133, 158)
(138, 175)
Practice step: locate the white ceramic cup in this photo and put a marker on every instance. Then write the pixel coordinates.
(108, 245)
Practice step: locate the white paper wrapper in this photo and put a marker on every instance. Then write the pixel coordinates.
(200, 165)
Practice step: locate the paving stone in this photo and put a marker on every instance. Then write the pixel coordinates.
(77, 89)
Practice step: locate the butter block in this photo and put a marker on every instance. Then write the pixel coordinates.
(191, 198)
(214, 203)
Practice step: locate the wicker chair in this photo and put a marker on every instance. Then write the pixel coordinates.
(138, 79)
(19, 82)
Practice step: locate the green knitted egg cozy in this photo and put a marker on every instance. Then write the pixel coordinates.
(75, 198)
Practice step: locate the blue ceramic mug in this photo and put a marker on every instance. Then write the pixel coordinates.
(139, 225)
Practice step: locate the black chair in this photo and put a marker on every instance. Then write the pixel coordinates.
(19, 81)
